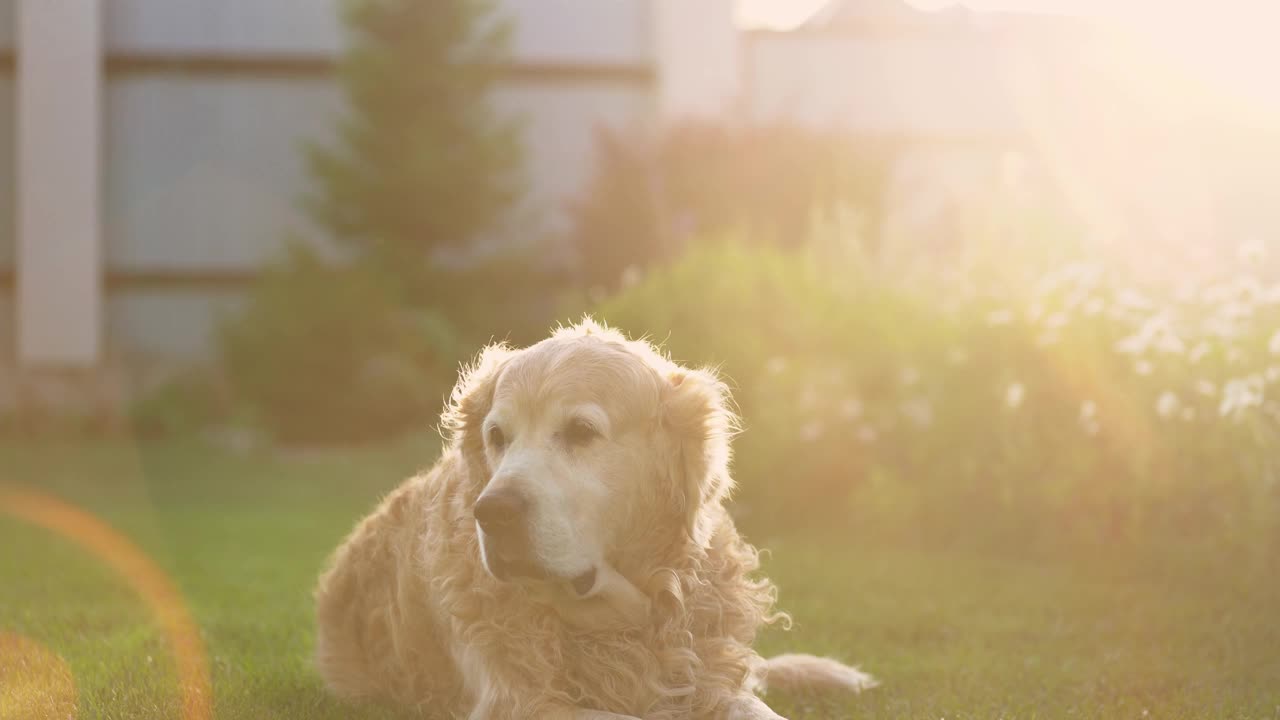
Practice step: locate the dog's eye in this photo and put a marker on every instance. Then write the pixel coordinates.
(579, 433)
(497, 438)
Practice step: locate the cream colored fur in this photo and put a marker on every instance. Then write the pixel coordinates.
(408, 611)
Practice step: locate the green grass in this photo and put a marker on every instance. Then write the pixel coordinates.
(952, 633)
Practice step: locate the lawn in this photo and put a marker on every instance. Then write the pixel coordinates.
(952, 631)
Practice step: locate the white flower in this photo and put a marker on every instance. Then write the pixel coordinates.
(1157, 331)
(1132, 345)
(1252, 251)
(1273, 345)
(1273, 374)
(812, 432)
(1056, 320)
(1248, 288)
(909, 376)
(919, 412)
(1206, 388)
(1047, 339)
(776, 365)
(1133, 299)
(809, 398)
(1198, 352)
(851, 408)
(996, 318)
(1089, 417)
(867, 434)
(1143, 368)
(1188, 414)
(1167, 404)
(1237, 310)
(1093, 306)
(1169, 343)
(1240, 395)
(632, 276)
(1222, 327)
(1075, 298)
(1215, 294)
(1014, 395)
(1234, 356)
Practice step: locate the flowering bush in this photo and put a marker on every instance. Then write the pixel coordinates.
(1076, 402)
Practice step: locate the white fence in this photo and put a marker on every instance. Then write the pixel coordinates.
(205, 107)
(206, 104)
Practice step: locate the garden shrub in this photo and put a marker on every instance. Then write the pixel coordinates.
(1079, 403)
(421, 168)
(422, 160)
(779, 333)
(191, 401)
(328, 353)
(650, 196)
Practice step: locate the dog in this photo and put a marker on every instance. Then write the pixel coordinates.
(569, 556)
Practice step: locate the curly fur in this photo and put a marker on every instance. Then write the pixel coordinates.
(407, 612)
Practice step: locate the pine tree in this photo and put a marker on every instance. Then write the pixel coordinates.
(422, 160)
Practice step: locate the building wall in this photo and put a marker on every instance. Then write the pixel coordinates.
(972, 94)
(208, 104)
(956, 87)
(948, 95)
(7, 136)
(8, 231)
(698, 56)
(179, 259)
(224, 27)
(7, 168)
(8, 12)
(203, 173)
(594, 32)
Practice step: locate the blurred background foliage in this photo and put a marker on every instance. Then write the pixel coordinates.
(421, 161)
(1082, 405)
(652, 197)
(1016, 374)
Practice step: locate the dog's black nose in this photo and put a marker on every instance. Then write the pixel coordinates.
(501, 511)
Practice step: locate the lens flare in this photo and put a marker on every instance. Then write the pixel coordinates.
(146, 579)
(35, 683)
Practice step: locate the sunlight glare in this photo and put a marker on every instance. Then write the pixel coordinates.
(776, 14)
(1225, 44)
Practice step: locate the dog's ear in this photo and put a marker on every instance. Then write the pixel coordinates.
(472, 398)
(696, 416)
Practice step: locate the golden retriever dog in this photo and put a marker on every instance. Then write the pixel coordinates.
(568, 557)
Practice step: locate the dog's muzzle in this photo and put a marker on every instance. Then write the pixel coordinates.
(505, 566)
(502, 517)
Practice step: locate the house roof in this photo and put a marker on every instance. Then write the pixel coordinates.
(862, 16)
(862, 13)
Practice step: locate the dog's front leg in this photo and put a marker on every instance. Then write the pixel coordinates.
(749, 707)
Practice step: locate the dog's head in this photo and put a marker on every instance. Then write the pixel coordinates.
(584, 445)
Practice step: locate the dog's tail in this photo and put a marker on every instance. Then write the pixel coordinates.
(808, 673)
